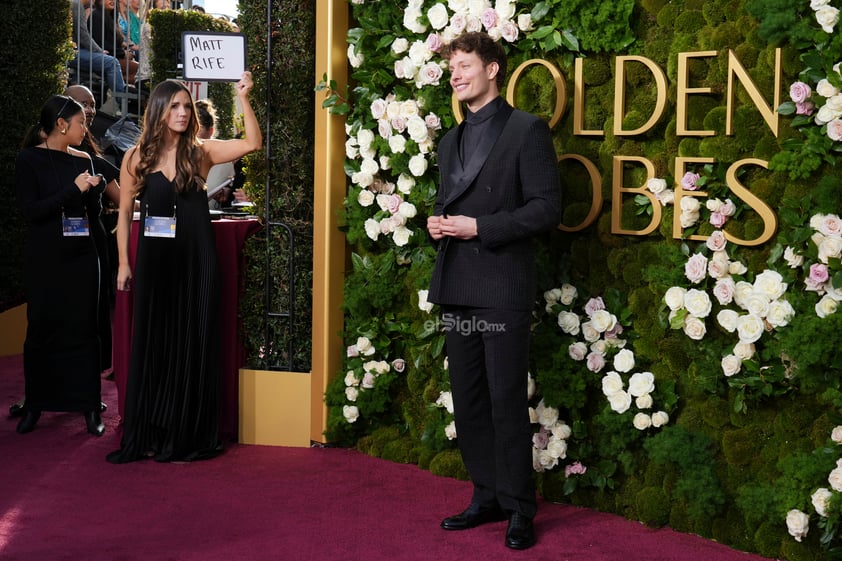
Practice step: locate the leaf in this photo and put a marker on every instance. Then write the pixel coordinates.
(542, 32)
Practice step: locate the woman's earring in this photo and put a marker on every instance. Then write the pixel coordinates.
(63, 131)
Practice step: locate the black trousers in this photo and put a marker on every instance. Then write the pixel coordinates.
(488, 357)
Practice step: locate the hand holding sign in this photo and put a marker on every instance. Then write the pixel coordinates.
(245, 84)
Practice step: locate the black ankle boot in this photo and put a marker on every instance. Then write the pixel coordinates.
(94, 423)
(30, 419)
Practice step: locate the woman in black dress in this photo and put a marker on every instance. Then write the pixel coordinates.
(59, 193)
(173, 387)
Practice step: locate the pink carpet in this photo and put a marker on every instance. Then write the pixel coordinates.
(61, 501)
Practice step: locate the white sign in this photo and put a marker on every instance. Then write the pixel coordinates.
(209, 56)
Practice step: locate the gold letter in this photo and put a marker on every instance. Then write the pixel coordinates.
(617, 196)
(770, 115)
(620, 94)
(558, 80)
(596, 193)
(770, 221)
(683, 90)
(579, 103)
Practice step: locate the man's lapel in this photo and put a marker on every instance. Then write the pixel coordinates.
(464, 173)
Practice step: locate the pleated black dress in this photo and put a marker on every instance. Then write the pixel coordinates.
(173, 386)
(62, 278)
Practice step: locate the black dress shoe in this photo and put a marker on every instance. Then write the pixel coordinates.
(30, 419)
(520, 533)
(94, 423)
(473, 516)
(16, 409)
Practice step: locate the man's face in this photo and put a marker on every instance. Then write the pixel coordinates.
(86, 99)
(472, 82)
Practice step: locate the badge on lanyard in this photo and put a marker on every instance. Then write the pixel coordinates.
(75, 226)
(159, 226)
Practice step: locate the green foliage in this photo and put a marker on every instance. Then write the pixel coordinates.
(37, 48)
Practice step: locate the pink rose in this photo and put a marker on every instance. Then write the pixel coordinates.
(718, 220)
(804, 108)
(724, 290)
(489, 18)
(834, 130)
(540, 439)
(716, 241)
(434, 42)
(818, 273)
(595, 362)
(594, 305)
(696, 268)
(432, 120)
(688, 182)
(728, 208)
(399, 365)
(799, 92)
(575, 469)
(830, 225)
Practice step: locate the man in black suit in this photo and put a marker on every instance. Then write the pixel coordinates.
(499, 188)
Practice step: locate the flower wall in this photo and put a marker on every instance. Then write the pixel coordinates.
(687, 379)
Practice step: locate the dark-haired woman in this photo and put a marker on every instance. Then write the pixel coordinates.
(173, 386)
(59, 194)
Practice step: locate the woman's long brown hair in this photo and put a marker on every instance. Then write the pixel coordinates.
(188, 154)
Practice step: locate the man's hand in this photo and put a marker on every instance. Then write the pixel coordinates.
(461, 227)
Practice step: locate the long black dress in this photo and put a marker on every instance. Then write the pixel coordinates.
(173, 387)
(62, 278)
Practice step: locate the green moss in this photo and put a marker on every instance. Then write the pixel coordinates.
(449, 464)
(653, 506)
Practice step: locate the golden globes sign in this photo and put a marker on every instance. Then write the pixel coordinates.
(684, 93)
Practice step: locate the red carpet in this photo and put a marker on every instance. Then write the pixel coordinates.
(61, 501)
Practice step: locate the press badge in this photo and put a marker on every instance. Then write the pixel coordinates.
(160, 227)
(75, 226)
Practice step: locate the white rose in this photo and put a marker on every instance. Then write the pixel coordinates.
(826, 114)
(836, 435)
(797, 524)
(719, 266)
(401, 236)
(412, 20)
(603, 320)
(400, 45)
(826, 306)
(416, 128)
(438, 16)
(569, 323)
(716, 241)
(749, 328)
(674, 297)
(744, 351)
(825, 89)
(694, 328)
(365, 198)
(697, 302)
(656, 185)
(568, 294)
(620, 401)
(364, 346)
(644, 401)
(524, 22)
(742, 290)
(831, 247)
(780, 313)
(612, 383)
(770, 283)
(827, 17)
(793, 259)
(405, 183)
(350, 412)
(557, 448)
(450, 430)
(362, 178)
(731, 364)
(816, 4)
(417, 165)
(589, 333)
(407, 210)
(821, 500)
(423, 304)
(351, 378)
(577, 351)
(547, 416)
(660, 418)
(728, 320)
(397, 144)
(641, 383)
(624, 361)
(547, 461)
(351, 151)
(737, 268)
(757, 303)
(351, 393)
(835, 479)
(445, 400)
(372, 228)
(561, 430)
(355, 59)
(642, 421)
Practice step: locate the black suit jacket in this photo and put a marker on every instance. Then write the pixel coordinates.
(511, 186)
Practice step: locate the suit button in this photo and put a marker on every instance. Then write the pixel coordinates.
(488, 188)
(476, 251)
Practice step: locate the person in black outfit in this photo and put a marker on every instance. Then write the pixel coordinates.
(499, 188)
(59, 193)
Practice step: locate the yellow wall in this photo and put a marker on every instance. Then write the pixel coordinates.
(12, 331)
